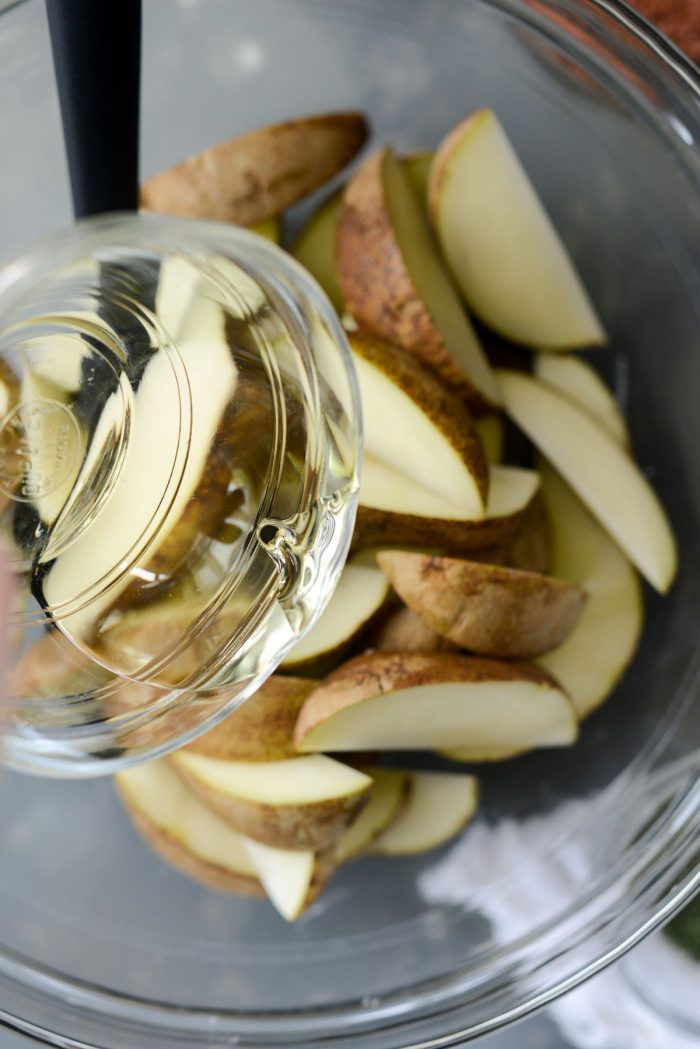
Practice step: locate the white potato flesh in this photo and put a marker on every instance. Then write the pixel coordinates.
(594, 656)
(290, 781)
(431, 280)
(388, 796)
(577, 380)
(285, 874)
(438, 806)
(360, 593)
(606, 479)
(502, 247)
(510, 490)
(159, 794)
(398, 433)
(486, 718)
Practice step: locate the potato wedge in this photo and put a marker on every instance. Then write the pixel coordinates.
(292, 878)
(405, 701)
(530, 546)
(602, 474)
(404, 631)
(198, 843)
(254, 176)
(594, 657)
(37, 446)
(182, 830)
(576, 379)
(389, 792)
(487, 609)
(293, 803)
(416, 426)
(154, 476)
(134, 637)
(492, 435)
(395, 285)
(200, 518)
(438, 806)
(314, 248)
(262, 728)
(394, 511)
(358, 599)
(314, 245)
(500, 244)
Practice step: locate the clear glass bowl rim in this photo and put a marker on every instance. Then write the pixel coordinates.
(662, 871)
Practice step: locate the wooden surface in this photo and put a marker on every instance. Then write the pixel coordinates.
(679, 19)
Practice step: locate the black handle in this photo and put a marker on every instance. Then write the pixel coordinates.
(97, 56)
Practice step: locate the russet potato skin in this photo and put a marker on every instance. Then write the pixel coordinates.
(315, 825)
(262, 728)
(530, 547)
(443, 407)
(404, 631)
(186, 862)
(374, 527)
(210, 875)
(521, 540)
(254, 176)
(377, 286)
(377, 673)
(488, 609)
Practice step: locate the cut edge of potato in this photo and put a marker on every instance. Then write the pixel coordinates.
(360, 595)
(389, 792)
(501, 245)
(438, 806)
(288, 804)
(602, 474)
(391, 304)
(439, 701)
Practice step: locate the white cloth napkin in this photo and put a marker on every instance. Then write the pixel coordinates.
(481, 871)
(606, 1013)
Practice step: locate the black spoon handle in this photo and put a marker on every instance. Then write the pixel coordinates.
(97, 56)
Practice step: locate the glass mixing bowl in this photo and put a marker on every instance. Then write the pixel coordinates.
(575, 855)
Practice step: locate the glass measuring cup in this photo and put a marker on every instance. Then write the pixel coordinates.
(178, 456)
